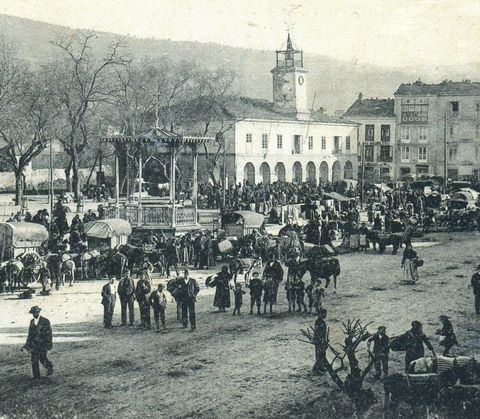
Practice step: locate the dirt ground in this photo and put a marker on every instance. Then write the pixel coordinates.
(248, 366)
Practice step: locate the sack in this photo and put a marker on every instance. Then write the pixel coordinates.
(225, 246)
(419, 262)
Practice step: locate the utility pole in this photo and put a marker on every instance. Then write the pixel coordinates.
(445, 171)
(51, 191)
(224, 180)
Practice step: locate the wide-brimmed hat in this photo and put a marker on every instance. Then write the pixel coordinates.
(35, 309)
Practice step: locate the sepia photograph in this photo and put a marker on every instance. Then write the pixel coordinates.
(239, 209)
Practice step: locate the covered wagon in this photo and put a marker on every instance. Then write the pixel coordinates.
(242, 223)
(104, 235)
(20, 238)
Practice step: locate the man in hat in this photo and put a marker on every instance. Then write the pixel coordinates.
(158, 301)
(126, 292)
(187, 294)
(381, 348)
(39, 341)
(109, 296)
(142, 291)
(414, 340)
(256, 289)
(475, 284)
(321, 342)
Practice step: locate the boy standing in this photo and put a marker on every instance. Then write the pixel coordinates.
(238, 294)
(158, 301)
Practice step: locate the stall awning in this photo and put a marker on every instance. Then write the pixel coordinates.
(23, 235)
(382, 187)
(105, 229)
(251, 219)
(336, 196)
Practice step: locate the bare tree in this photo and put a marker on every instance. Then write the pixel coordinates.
(352, 384)
(27, 113)
(83, 82)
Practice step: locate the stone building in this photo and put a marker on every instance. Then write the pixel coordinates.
(283, 140)
(430, 115)
(376, 139)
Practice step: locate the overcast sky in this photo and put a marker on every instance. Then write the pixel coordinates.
(381, 32)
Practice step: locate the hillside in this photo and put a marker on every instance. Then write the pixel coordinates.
(336, 83)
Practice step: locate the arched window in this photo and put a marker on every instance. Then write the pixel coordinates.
(249, 173)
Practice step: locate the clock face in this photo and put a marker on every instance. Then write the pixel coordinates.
(300, 80)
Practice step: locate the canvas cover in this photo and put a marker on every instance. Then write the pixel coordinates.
(108, 228)
(23, 235)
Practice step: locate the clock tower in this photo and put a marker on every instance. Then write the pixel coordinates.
(290, 83)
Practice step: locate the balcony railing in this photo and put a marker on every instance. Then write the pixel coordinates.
(160, 216)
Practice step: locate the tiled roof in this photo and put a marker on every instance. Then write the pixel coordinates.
(446, 87)
(238, 107)
(371, 107)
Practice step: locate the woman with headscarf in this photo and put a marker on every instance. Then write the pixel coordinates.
(222, 293)
(409, 265)
(447, 335)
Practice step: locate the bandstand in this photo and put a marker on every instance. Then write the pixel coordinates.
(157, 214)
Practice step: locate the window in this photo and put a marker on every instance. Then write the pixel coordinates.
(477, 130)
(385, 153)
(412, 112)
(405, 133)
(249, 138)
(336, 145)
(279, 141)
(264, 140)
(385, 133)
(422, 134)
(368, 152)
(477, 109)
(296, 144)
(477, 153)
(310, 143)
(369, 132)
(405, 153)
(452, 130)
(347, 143)
(324, 143)
(452, 153)
(422, 153)
(455, 109)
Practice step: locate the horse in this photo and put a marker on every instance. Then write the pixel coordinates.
(89, 262)
(14, 270)
(320, 264)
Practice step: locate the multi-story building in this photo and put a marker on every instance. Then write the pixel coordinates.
(283, 140)
(437, 122)
(376, 137)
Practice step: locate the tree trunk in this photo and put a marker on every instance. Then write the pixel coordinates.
(75, 177)
(19, 186)
(68, 177)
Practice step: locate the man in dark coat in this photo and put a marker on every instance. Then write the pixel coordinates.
(39, 342)
(449, 339)
(109, 297)
(126, 292)
(141, 293)
(381, 348)
(273, 268)
(256, 289)
(158, 301)
(475, 284)
(187, 294)
(414, 340)
(321, 342)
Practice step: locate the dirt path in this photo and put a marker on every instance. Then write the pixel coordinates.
(246, 366)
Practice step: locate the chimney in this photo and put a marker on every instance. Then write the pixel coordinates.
(360, 96)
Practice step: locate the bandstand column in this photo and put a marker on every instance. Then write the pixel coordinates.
(117, 186)
(140, 179)
(195, 182)
(173, 164)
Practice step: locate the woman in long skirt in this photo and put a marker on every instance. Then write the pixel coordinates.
(409, 265)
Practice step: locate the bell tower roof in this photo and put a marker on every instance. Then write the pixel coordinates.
(289, 57)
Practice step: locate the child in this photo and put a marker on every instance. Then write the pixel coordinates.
(256, 289)
(238, 293)
(158, 301)
(309, 291)
(318, 294)
(290, 290)
(300, 294)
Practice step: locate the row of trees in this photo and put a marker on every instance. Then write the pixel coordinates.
(75, 97)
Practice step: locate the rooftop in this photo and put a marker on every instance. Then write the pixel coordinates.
(371, 107)
(238, 107)
(446, 87)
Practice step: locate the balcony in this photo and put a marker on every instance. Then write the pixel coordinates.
(154, 216)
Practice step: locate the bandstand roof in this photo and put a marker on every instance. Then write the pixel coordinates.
(159, 136)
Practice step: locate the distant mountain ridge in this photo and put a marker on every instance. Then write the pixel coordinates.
(335, 83)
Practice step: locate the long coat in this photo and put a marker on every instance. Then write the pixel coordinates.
(222, 292)
(40, 336)
(274, 270)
